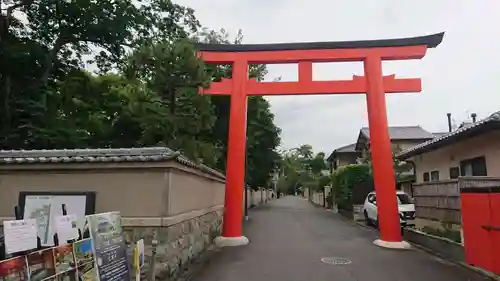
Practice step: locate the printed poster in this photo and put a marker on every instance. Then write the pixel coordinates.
(66, 227)
(68, 262)
(84, 260)
(41, 265)
(20, 235)
(14, 269)
(109, 246)
(45, 209)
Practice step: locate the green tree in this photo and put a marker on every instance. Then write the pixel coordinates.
(263, 135)
(144, 89)
(43, 41)
(301, 169)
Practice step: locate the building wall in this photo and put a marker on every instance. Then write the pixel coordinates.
(178, 243)
(396, 145)
(175, 209)
(134, 193)
(443, 159)
(190, 193)
(404, 144)
(344, 159)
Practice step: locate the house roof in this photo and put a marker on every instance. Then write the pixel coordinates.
(343, 149)
(439, 134)
(403, 133)
(399, 133)
(464, 132)
(101, 155)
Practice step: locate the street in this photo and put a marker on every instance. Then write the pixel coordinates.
(291, 240)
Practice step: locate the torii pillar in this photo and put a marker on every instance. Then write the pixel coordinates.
(373, 84)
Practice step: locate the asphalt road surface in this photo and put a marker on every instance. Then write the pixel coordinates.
(290, 237)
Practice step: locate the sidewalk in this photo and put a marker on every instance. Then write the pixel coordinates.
(289, 237)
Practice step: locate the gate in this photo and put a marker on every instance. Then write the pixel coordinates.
(481, 223)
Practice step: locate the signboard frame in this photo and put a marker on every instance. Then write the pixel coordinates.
(90, 198)
(82, 203)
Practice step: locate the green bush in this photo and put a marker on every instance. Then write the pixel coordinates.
(344, 179)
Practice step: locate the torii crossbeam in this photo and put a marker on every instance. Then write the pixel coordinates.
(373, 84)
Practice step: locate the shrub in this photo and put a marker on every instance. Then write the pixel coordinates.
(344, 179)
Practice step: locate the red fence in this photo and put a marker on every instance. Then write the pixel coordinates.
(481, 222)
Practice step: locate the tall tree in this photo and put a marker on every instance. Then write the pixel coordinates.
(143, 91)
(301, 168)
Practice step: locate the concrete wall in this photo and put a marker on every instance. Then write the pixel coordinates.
(440, 246)
(257, 197)
(178, 206)
(317, 198)
(146, 190)
(191, 193)
(443, 159)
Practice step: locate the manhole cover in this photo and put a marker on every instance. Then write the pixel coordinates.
(335, 261)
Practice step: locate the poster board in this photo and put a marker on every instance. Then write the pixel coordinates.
(68, 262)
(103, 257)
(110, 249)
(45, 206)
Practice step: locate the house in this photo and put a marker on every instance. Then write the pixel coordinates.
(342, 156)
(402, 137)
(471, 150)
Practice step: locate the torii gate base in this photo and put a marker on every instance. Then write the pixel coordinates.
(373, 84)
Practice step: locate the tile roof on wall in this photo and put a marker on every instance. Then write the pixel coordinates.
(100, 155)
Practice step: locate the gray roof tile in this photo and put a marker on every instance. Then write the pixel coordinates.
(145, 154)
(343, 149)
(403, 133)
(441, 140)
(346, 148)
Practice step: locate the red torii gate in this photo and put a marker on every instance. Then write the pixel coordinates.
(373, 83)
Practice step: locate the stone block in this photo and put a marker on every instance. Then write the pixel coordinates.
(178, 244)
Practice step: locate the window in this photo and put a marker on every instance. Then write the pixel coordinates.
(426, 176)
(403, 199)
(434, 175)
(454, 172)
(475, 167)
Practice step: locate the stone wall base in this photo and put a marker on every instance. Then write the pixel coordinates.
(177, 245)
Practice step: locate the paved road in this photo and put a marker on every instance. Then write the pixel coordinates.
(289, 237)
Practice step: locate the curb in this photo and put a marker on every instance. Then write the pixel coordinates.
(461, 264)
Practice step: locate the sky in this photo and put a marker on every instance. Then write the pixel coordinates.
(460, 76)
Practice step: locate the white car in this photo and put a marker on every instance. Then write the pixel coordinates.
(406, 209)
